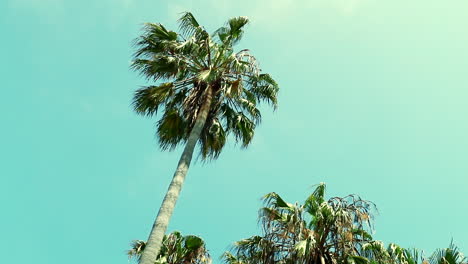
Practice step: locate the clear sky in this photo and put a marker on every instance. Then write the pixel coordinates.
(373, 101)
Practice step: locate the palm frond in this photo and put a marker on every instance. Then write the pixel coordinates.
(212, 140)
(171, 129)
(160, 67)
(242, 127)
(375, 250)
(136, 248)
(188, 25)
(156, 39)
(236, 25)
(147, 100)
(233, 31)
(317, 197)
(361, 234)
(256, 249)
(413, 256)
(159, 32)
(274, 200)
(357, 260)
(251, 109)
(229, 258)
(264, 88)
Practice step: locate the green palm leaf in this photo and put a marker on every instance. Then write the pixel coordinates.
(188, 25)
(233, 31)
(147, 100)
(171, 129)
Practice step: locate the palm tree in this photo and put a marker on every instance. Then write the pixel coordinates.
(176, 249)
(205, 90)
(319, 231)
(450, 255)
(376, 253)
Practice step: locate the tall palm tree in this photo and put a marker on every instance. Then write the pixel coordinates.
(205, 91)
(176, 249)
(319, 231)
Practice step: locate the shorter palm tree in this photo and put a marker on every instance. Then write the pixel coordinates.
(333, 231)
(176, 249)
(376, 253)
(319, 231)
(450, 255)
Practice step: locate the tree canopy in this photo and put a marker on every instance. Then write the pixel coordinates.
(184, 66)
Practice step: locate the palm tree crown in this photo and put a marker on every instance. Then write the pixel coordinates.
(450, 255)
(188, 68)
(176, 249)
(318, 232)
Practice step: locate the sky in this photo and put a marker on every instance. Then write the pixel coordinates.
(372, 102)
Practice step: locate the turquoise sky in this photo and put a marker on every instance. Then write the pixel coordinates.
(373, 101)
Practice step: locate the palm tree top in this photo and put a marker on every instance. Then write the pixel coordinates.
(176, 249)
(318, 231)
(184, 66)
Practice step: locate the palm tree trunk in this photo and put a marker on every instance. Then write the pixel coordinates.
(154, 243)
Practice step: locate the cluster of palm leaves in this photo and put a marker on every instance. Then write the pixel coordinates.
(176, 249)
(193, 66)
(376, 253)
(450, 255)
(318, 231)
